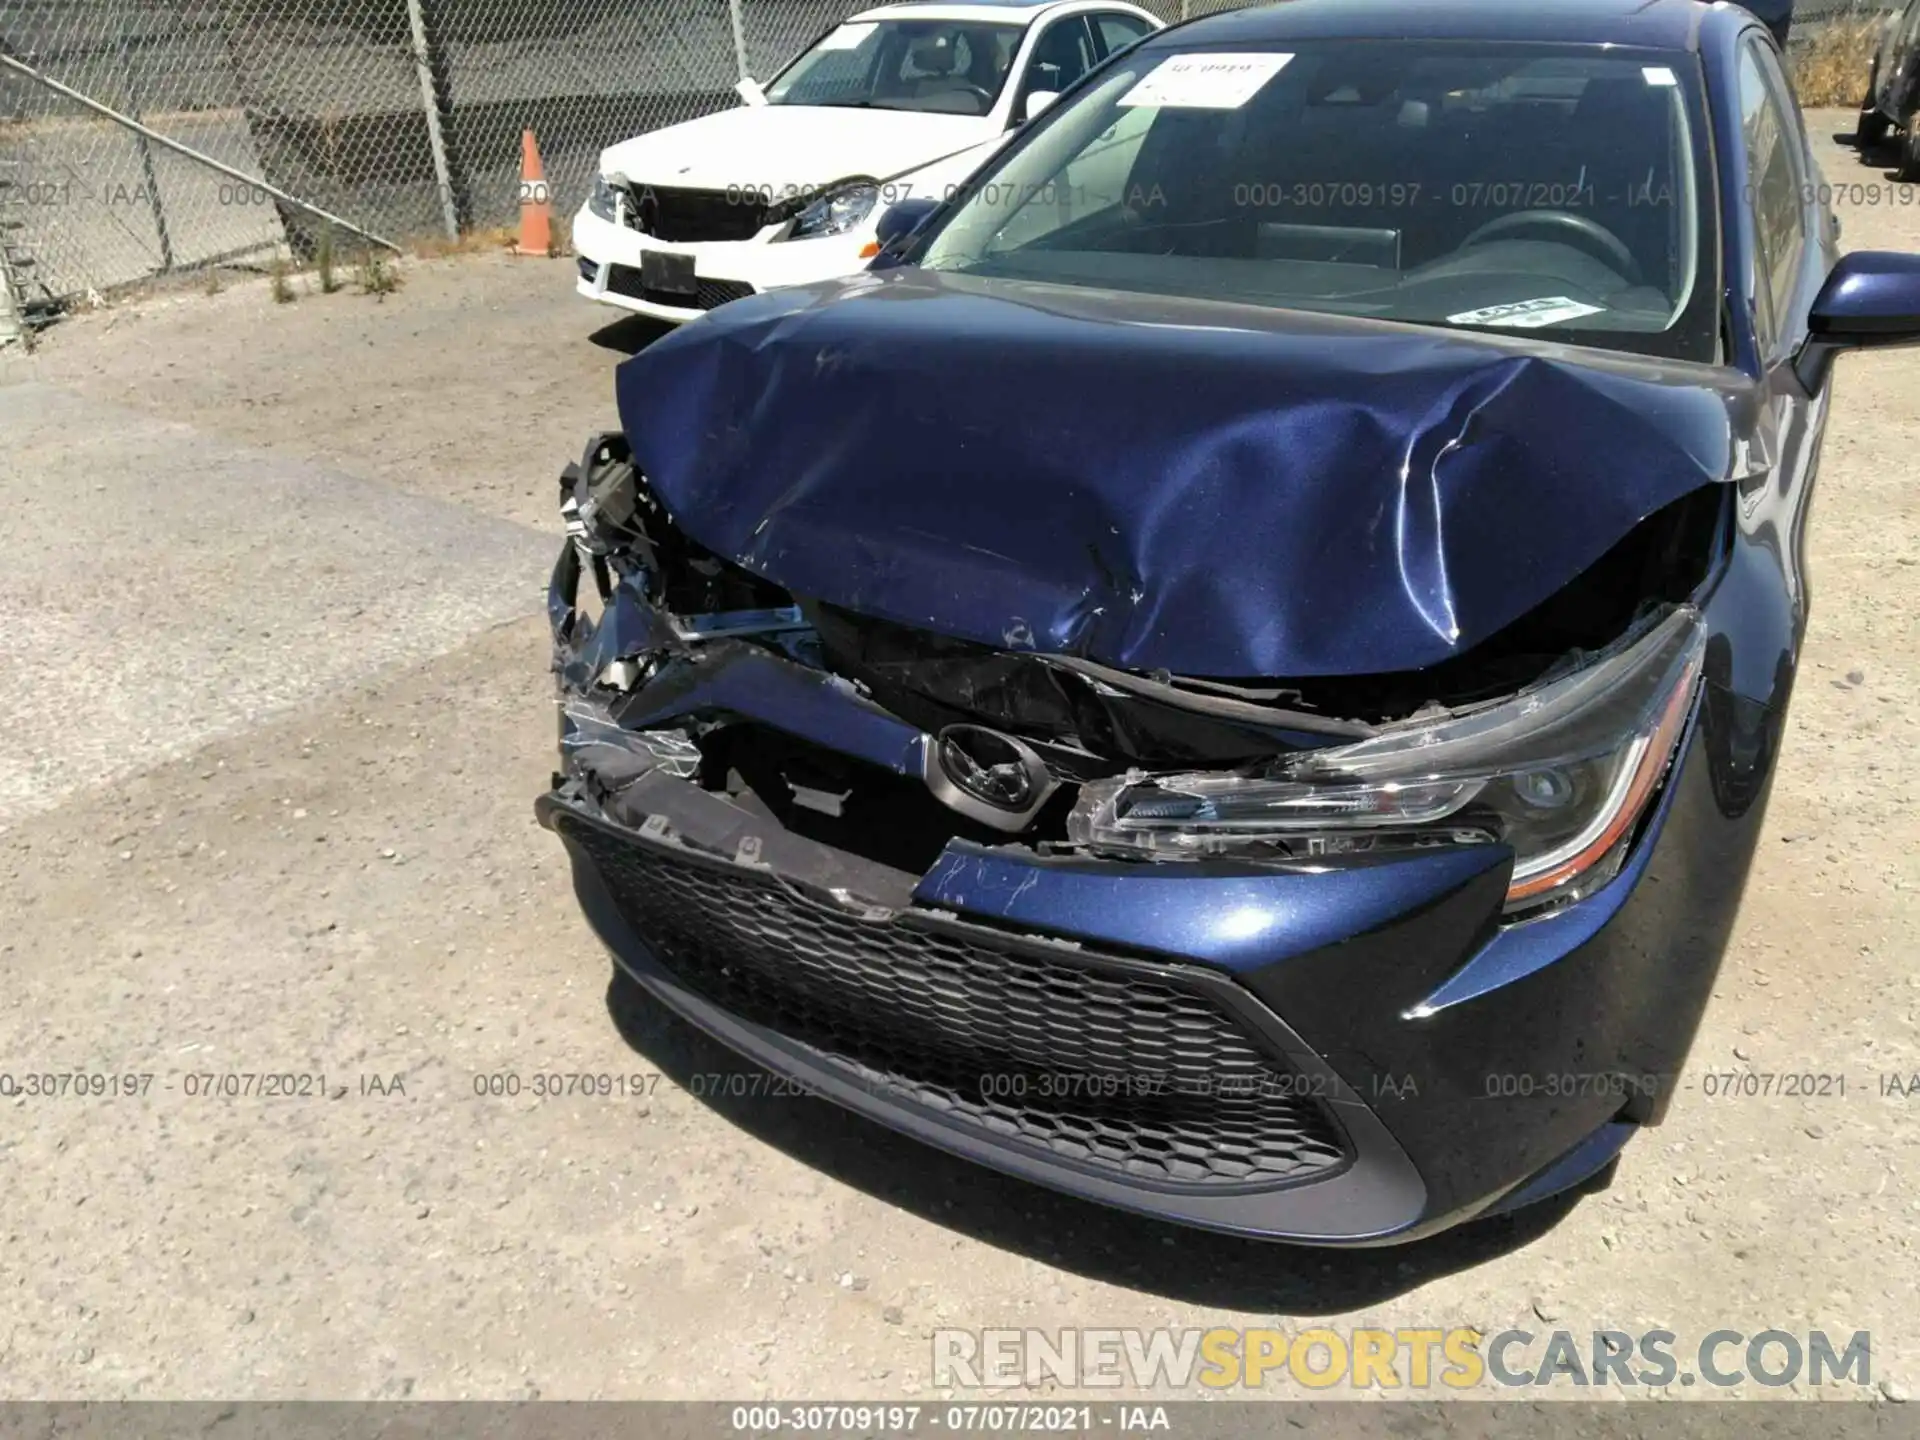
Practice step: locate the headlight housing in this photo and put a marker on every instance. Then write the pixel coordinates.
(1560, 772)
(603, 200)
(837, 211)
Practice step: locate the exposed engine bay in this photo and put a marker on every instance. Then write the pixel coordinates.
(882, 745)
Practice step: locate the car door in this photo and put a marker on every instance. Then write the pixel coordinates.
(1895, 65)
(1062, 52)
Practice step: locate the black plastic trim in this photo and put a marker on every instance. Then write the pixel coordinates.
(1376, 1197)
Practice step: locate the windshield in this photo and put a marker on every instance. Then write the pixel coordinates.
(1447, 183)
(946, 67)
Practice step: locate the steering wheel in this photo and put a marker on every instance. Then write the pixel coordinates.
(979, 92)
(1584, 227)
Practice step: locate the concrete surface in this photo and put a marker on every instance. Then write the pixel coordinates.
(342, 879)
(167, 587)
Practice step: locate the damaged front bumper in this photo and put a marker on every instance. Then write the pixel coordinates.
(835, 877)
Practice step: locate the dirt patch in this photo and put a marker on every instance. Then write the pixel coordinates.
(1831, 68)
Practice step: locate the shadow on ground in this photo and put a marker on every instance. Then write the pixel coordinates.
(1883, 155)
(630, 335)
(1090, 1240)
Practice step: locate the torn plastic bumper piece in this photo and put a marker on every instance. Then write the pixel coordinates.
(1299, 1052)
(1180, 1094)
(1323, 1049)
(694, 668)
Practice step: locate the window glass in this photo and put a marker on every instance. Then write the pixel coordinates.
(1118, 31)
(1773, 185)
(1093, 181)
(1461, 183)
(943, 66)
(1064, 53)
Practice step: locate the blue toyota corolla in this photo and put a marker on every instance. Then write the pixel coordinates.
(1237, 672)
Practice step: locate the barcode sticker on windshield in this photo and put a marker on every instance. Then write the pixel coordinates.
(1206, 82)
(1527, 314)
(848, 37)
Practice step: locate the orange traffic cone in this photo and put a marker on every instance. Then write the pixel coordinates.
(536, 219)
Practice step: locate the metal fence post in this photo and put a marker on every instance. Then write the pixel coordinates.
(130, 85)
(739, 39)
(436, 98)
(13, 324)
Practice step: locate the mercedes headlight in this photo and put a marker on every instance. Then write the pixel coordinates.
(837, 211)
(1561, 772)
(603, 200)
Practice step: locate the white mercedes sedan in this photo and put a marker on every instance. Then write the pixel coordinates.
(905, 100)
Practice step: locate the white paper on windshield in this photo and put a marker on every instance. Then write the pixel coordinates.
(1206, 82)
(1658, 75)
(1527, 314)
(848, 37)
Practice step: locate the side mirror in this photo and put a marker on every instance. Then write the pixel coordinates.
(1038, 100)
(749, 91)
(1871, 300)
(898, 222)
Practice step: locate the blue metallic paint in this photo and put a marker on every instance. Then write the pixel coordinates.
(1235, 917)
(1043, 508)
(1403, 503)
(1872, 297)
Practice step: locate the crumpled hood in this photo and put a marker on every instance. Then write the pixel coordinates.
(787, 147)
(1160, 484)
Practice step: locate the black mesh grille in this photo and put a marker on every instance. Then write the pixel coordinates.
(686, 216)
(1113, 1069)
(707, 295)
(710, 294)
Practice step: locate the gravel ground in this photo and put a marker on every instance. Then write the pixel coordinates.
(334, 870)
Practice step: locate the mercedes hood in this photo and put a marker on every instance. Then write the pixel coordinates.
(1159, 484)
(780, 149)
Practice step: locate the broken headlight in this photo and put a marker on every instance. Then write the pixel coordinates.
(603, 200)
(1560, 772)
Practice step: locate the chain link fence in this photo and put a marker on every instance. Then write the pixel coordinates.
(1809, 15)
(398, 118)
(402, 117)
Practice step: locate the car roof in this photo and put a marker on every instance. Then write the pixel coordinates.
(1651, 24)
(1003, 11)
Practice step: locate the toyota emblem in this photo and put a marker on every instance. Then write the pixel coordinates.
(993, 778)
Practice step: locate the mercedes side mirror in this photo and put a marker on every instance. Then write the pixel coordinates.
(749, 91)
(1037, 100)
(1871, 300)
